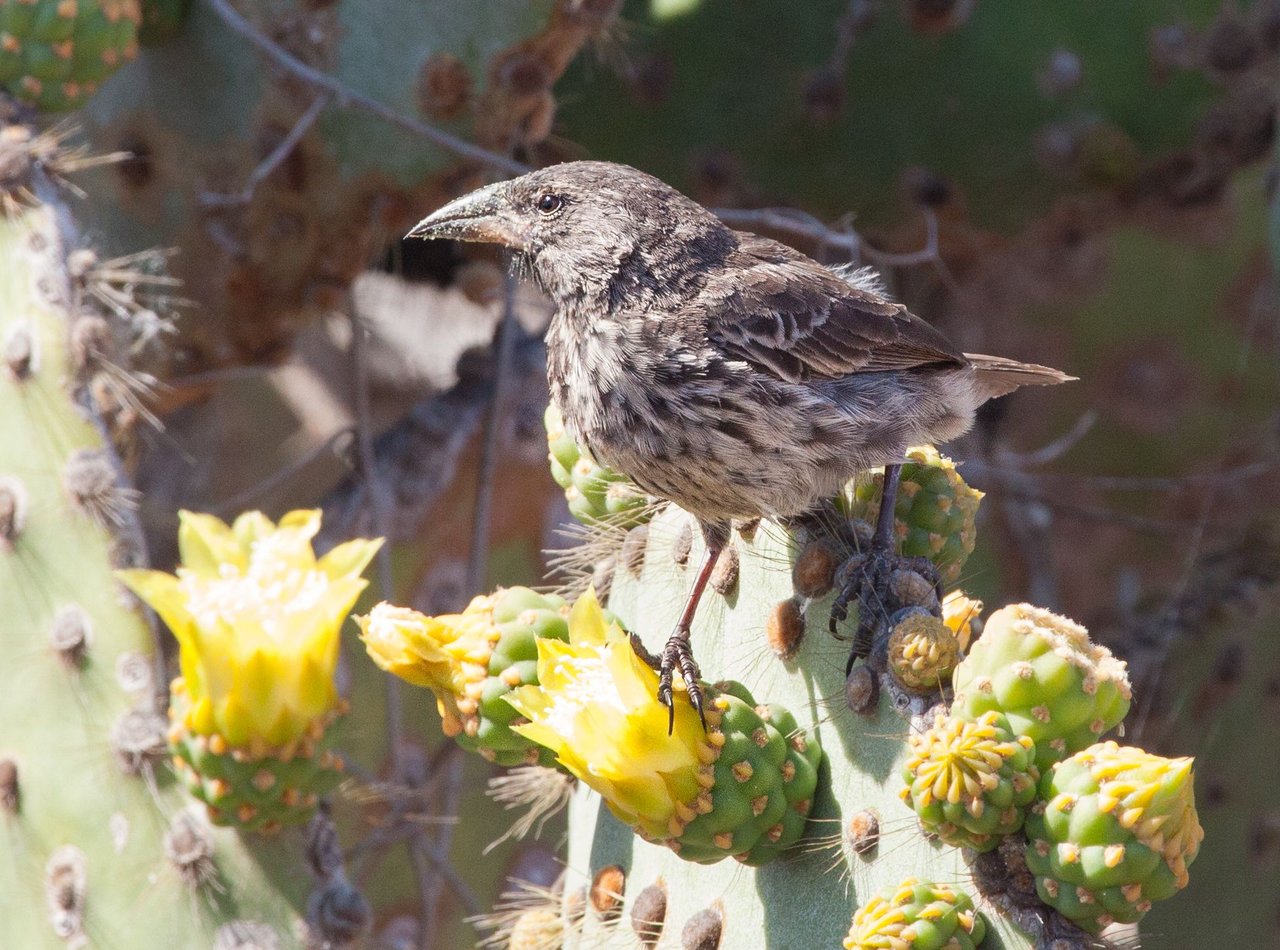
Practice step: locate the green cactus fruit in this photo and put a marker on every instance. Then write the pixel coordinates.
(55, 53)
(765, 776)
(923, 651)
(471, 661)
(970, 782)
(255, 790)
(521, 617)
(917, 916)
(1043, 672)
(935, 515)
(596, 494)
(1115, 831)
(161, 20)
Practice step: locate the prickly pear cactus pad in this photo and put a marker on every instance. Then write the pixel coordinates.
(596, 493)
(472, 661)
(98, 845)
(741, 787)
(257, 617)
(936, 513)
(1043, 672)
(859, 839)
(1114, 831)
(906, 792)
(55, 54)
(917, 916)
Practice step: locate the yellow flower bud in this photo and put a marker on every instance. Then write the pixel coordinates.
(444, 653)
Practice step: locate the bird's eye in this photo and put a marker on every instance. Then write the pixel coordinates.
(550, 204)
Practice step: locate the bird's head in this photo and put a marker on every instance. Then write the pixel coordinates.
(587, 231)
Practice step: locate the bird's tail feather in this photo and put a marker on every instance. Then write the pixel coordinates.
(998, 376)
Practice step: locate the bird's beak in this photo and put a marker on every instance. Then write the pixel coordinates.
(484, 215)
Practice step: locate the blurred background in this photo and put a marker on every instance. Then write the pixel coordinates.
(1084, 184)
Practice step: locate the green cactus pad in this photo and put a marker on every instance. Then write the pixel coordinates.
(935, 513)
(917, 916)
(764, 781)
(596, 494)
(258, 791)
(55, 53)
(1114, 831)
(970, 782)
(1043, 672)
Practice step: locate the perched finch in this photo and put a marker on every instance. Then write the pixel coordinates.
(726, 372)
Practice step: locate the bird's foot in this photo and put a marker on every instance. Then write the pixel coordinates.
(881, 582)
(677, 654)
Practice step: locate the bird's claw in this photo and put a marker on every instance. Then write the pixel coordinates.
(865, 579)
(679, 653)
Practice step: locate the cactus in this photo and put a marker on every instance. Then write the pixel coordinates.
(860, 837)
(916, 916)
(55, 54)
(202, 109)
(741, 786)
(1044, 673)
(923, 650)
(970, 782)
(1076, 109)
(257, 617)
(596, 493)
(936, 513)
(1113, 832)
(100, 846)
(472, 661)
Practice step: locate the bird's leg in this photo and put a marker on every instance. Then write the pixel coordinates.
(882, 540)
(868, 577)
(678, 651)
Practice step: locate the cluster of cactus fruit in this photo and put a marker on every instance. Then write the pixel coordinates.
(597, 495)
(472, 661)
(1006, 710)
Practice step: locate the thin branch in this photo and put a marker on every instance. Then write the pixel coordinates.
(377, 509)
(241, 500)
(272, 161)
(1055, 449)
(801, 224)
(508, 330)
(477, 567)
(344, 97)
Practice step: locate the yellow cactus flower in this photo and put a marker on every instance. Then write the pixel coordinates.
(257, 618)
(961, 613)
(449, 654)
(595, 706)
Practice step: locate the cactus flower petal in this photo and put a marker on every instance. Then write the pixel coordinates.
(258, 619)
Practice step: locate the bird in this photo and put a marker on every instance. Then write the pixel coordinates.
(721, 370)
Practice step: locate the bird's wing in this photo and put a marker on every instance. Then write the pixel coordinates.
(789, 315)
